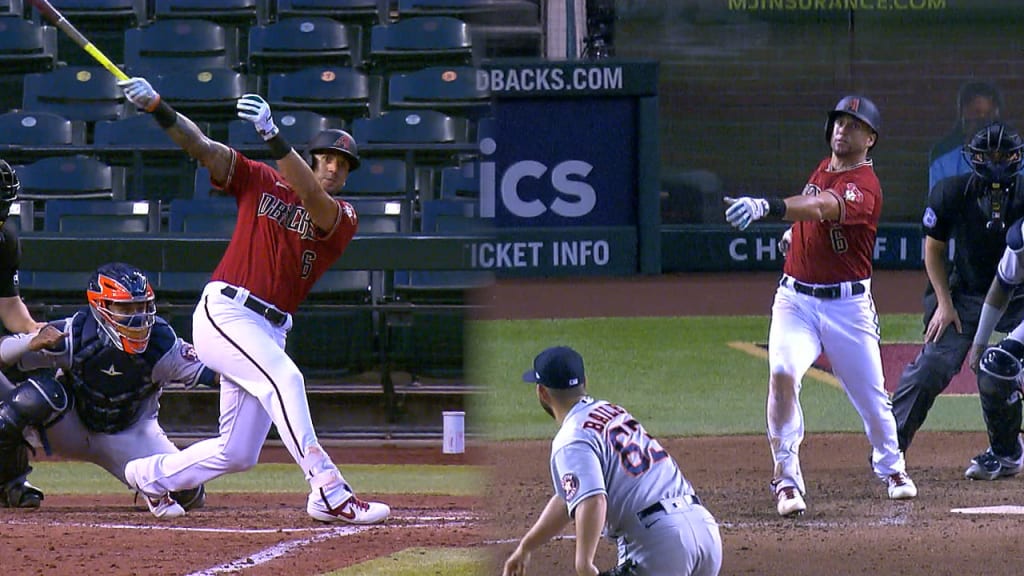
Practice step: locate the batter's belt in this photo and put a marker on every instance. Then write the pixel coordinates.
(668, 505)
(825, 291)
(272, 314)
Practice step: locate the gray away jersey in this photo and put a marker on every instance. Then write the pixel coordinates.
(602, 449)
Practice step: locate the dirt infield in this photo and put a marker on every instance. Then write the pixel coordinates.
(251, 534)
(851, 528)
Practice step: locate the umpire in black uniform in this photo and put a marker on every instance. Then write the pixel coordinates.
(973, 211)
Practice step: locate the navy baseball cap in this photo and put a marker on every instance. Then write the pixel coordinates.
(557, 367)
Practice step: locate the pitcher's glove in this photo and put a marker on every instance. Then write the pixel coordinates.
(627, 568)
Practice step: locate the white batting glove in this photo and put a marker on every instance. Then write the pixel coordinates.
(745, 210)
(254, 108)
(786, 241)
(139, 92)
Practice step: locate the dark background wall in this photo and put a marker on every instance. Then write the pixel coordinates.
(746, 84)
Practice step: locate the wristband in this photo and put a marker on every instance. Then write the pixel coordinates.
(986, 324)
(165, 115)
(279, 147)
(776, 208)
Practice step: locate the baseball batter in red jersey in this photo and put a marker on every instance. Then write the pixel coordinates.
(824, 303)
(290, 229)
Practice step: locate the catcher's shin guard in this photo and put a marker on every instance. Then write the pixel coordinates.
(191, 499)
(37, 401)
(15, 491)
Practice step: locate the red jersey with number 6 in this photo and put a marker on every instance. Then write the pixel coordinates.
(276, 252)
(830, 252)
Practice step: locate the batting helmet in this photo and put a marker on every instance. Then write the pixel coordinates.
(334, 140)
(996, 153)
(9, 188)
(118, 284)
(860, 108)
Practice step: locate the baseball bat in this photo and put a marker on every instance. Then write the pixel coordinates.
(58, 19)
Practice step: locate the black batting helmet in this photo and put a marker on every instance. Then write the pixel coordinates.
(996, 153)
(334, 140)
(9, 188)
(860, 108)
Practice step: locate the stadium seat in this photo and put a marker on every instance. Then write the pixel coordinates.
(205, 95)
(506, 28)
(460, 181)
(425, 137)
(377, 216)
(419, 42)
(28, 136)
(160, 169)
(359, 11)
(12, 8)
(293, 43)
(25, 46)
(449, 89)
(232, 13)
(382, 177)
(87, 93)
(328, 90)
(101, 217)
(103, 22)
(70, 177)
(297, 126)
(447, 216)
(212, 217)
(166, 46)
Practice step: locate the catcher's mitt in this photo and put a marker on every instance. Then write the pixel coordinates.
(627, 568)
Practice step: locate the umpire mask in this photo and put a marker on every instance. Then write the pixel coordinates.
(996, 155)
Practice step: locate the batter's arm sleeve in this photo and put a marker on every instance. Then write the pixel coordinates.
(590, 517)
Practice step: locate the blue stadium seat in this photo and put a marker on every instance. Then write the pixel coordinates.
(293, 43)
(22, 216)
(212, 217)
(87, 93)
(206, 95)
(70, 177)
(327, 90)
(381, 177)
(505, 28)
(25, 46)
(166, 46)
(233, 13)
(12, 8)
(28, 136)
(297, 126)
(160, 169)
(426, 137)
(449, 89)
(377, 216)
(103, 22)
(359, 11)
(419, 42)
(101, 217)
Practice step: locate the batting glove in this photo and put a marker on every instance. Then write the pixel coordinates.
(745, 210)
(254, 108)
(139, 92)
(786, 241)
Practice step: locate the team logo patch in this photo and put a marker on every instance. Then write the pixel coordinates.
(852, 193)
(188, 352)
(570, 485)
(930, 218)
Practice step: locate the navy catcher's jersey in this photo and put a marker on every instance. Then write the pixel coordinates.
(958, 210)
(602, 449)
(109, 384)
(10, 260)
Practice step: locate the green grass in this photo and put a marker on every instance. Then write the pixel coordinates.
(421, 562)
(85, 478)
(677, 375)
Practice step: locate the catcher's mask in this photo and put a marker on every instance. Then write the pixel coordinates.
(996, 155)
(124, 305)
(334, 140)
(9, 188)
(860, 108)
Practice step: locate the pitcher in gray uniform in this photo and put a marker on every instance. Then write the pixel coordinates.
(114, 357)
(609, 474)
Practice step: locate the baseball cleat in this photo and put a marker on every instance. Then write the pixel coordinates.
(352, 511)
(21, 495)
(791, 503)
(988, 466)
(901, 487)
(162, 506)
